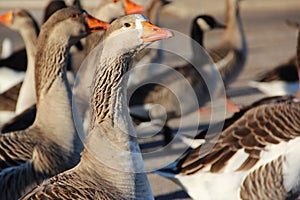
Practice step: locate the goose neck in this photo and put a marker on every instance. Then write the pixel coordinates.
(27, 95)
(51, 62)
(234, 33)
(29, 35)
(109, 91)
(197, 39)
(122, 184)
(112, 140)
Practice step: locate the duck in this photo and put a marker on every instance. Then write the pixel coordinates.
(256, 151)
(52, 144)
(111, 165)
(143, 100)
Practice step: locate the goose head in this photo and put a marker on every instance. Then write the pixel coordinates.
(200, 25)
(77, 21)
(18, 20)
(131, 7)
(132, 33)
(207, 23)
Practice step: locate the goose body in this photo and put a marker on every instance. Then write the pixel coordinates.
(256, 152)
(52, 144)
(254, 155)
(111, 165)
(281, 80)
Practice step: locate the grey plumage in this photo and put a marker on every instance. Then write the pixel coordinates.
(111, 165)
(52, 144)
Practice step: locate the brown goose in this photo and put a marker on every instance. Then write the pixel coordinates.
(52, 144)
(256, 152)
(230, 56)
(111, 165)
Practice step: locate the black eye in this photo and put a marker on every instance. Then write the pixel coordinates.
(127, 25)
(75, 15)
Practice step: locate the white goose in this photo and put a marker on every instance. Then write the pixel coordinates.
(52, 144)
(256, 155)
(111, 165)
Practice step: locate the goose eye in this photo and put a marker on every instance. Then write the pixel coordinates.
(127, 25)
(20, 14)
(75, 16)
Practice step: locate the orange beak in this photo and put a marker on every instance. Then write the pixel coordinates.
(95, 25)
(133, 8)
(6, 18)
(153, 33)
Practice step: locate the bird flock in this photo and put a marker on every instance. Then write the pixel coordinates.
(71, 102)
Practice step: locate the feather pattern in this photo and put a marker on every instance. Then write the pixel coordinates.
(254, 149)
(108, 165)
(52, 144)
(261, 126)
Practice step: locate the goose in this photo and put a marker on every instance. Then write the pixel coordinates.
(16, 63)
(107, 11)
(231, 54)
(55, 5)
(111, 133)
(256, 152)
(22, 21)
(144, 97)
(13, 109)
(52, 144)
(280, 80)
(81, 93)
